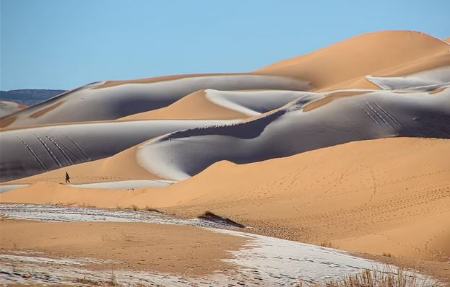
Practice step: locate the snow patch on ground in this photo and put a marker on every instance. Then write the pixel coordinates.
(81, 214)
(265, 261)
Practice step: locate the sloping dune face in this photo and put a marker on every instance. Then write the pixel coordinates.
(25, 152)
(360, 56)
(293, 129)
(96, 102)
(379, 196)
(425, 80)
(8, 107)
(215, 104)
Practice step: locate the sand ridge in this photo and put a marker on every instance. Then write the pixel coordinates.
(9, 107)
(192, 106)
(359, 56)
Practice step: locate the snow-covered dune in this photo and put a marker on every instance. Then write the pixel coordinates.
(425, 80)
(253, 103)
(218, 104)
(25, 152)
(98, 102)
(8, 107)
(297, 128)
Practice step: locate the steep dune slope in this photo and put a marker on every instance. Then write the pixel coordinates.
(8, 107)
(360, 56)
(125, 165)
(382, 196)
(215, 104)
(25, 152)
(122, 166)
(313, 120)
(99, 102)
(426, 80)
(299, 127)
(420, 65)
(192, 106)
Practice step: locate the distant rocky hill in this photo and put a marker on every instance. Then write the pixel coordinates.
(28, 97)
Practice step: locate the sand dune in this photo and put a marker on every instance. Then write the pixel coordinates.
(346, 62)
(35, 150)
(317, 119)
(384, 192)
(395, 192)
(344, 147)
(122, 166)
(91, 103)
(369, 115)
(8, 107)
(192, 106)
(215, 104)
(360, 56)
(425, 80)
(422, 64)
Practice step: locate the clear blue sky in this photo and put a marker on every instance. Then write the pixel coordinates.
(68, 43)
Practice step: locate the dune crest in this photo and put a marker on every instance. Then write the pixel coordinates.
(359, 56)
(9, 107)
(88, 103)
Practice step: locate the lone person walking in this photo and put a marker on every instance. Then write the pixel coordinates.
(67, 178)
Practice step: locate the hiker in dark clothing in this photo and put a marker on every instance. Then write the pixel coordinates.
(67, 178)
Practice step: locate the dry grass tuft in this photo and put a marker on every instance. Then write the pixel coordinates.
(375, 278)
(326, 244)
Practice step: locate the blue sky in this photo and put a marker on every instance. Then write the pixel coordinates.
(67, 43)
